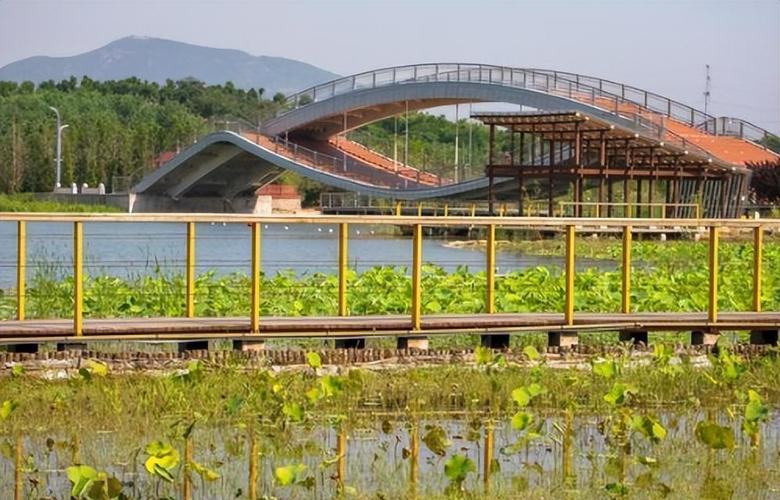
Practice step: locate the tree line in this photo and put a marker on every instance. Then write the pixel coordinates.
(116, 128)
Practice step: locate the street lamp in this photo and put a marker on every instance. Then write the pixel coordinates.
(60, 128)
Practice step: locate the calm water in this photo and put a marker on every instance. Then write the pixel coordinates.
(377, 467)
(131, 249)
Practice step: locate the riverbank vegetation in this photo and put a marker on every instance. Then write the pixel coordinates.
(23, 202)
(668, 277)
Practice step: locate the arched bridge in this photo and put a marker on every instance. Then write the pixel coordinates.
(663, 136)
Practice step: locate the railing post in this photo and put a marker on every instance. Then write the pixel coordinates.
(78, 279)
(255, 297)
(18, 468)
(343, 252)
(341, 454)
(626, 271)
(253, 453)
(490, 270)
(712, 310)
(758, 257)
(417, 277)
(190, 270)
(569, 301)
(446, 209)
(488, 457)
(21, 268)
(397, 208)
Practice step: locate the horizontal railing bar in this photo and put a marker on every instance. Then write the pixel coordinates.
(395, 220)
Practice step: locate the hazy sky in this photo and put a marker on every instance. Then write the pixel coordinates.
(653, 44)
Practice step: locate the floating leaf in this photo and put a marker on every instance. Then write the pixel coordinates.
(81, 476)
(204, 472)
(715, 436)
(290, 474)
(331, 385)
(458, 467)
(648, 427)
(756, 412)
(606, 368)
(314, 360)
(97, 368)
(163, 458)
(531, 353)
(616, 489)
(521, 420)
(523, 395)
(293, 411)
(7, 408)
(436, 440)
(619, 394)
(483, 355)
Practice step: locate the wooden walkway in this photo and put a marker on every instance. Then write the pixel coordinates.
(32, 331)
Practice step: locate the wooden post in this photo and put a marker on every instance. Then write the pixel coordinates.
(343, 252)
(21, 268)
(414, 457)
(550, 180)
(341, 454)
(417, 277)
(255, 294)
(186, 485)
(602, 168)
(18, 473)
(488, 457)
(253, 456)
(78, 279)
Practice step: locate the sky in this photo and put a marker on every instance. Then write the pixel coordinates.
(657, 45)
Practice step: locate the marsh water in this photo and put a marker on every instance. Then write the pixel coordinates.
(378, 460)
(137, 249)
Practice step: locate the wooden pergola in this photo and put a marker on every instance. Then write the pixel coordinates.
(575, 148)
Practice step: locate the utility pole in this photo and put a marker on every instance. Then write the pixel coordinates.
(60, 128)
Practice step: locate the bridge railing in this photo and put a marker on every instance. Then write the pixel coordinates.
(355, 203)
(417, 224)
(635, 116)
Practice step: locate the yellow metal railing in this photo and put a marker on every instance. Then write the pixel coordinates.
(490, 224)
(627, 210)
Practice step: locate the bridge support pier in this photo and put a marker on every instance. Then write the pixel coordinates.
(564, 338)
(699, 337)
(356, 343)
(497, 341)
(22, 348)
(249, 345)
(419, 343)
(636, 337)
(764, 337)
(194, 345)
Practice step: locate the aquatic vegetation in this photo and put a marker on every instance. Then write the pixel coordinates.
(617, 429)
(663, 279)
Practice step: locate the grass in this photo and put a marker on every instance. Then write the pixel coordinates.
(28, 203)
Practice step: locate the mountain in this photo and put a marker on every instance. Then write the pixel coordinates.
(156, 59)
